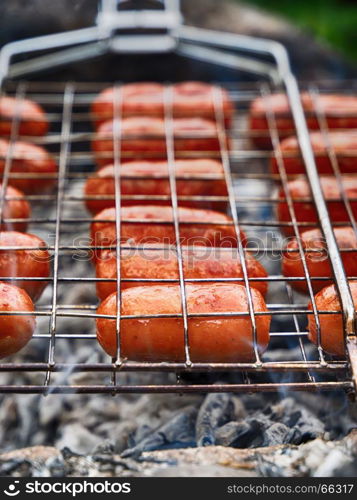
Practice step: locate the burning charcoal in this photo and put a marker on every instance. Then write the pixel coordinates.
(276, 434)
(247, 433)
(8, 417)
(116, 433)
(78, 438)
(34, 461)
(77, 465)
(55, 467)
(227, 434)
(68, 453)
(50, 408)
(177, 432)
(104, 448)
(141, 433)
(303, 422)
(27, 409)
(253, 402)
(215, 411)
(122, 436)
(333, 409)
(239, 410)
(308, 429)
(154, 409)
(7, 467)
(259, 429)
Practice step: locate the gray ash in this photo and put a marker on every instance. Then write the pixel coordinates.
(129, 435)
(103, 433)
(133, 424)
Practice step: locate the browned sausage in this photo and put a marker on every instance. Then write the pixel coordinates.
(188, 99)
(15, 330)
(144, 137)
(197, 227)
(317, 259)
(304, 207)
(146, 179)
(161, 263)
(344, 145)
(31, 160)
(32, 122)
(340, 112)
(15, 209)
(201, 99)
(144, 98)
(332, 334)
(24, 263)
(211, 339)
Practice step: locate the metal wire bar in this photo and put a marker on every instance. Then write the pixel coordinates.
(178, 389)
(311, 377)
(219, 115)
(350, 341)
(117, 133)
(268, 279)
(68, 97)
(323, 125)
(290, 203)
(266, 367)
(228, 314)
(170, 148)
(14, 132)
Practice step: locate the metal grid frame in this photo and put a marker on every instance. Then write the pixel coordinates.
(72, 96)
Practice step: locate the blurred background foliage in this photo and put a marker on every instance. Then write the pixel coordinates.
(331, 21)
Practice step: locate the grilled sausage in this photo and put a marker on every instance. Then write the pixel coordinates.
(316, 256)
(24, 263)
(197, 227)
(201, 99)
(144, 137)
(144, 98)
(211, 339)
(15, 331)
(32, 118)
(161, 263)
(146, 179)
(139, 99)
(32, 160)
(332, 335)
(14, 209)
(343, 144)
(304, 207)
(340, 111)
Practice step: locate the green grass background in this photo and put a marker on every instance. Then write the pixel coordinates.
(331, 21)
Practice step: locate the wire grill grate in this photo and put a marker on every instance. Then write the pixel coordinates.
(251, 200)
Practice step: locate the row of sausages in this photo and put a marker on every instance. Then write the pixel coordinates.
(154, 339)
(32, 170)
(224, 343)
(210, 339)
(219, 341)
(27, 160)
